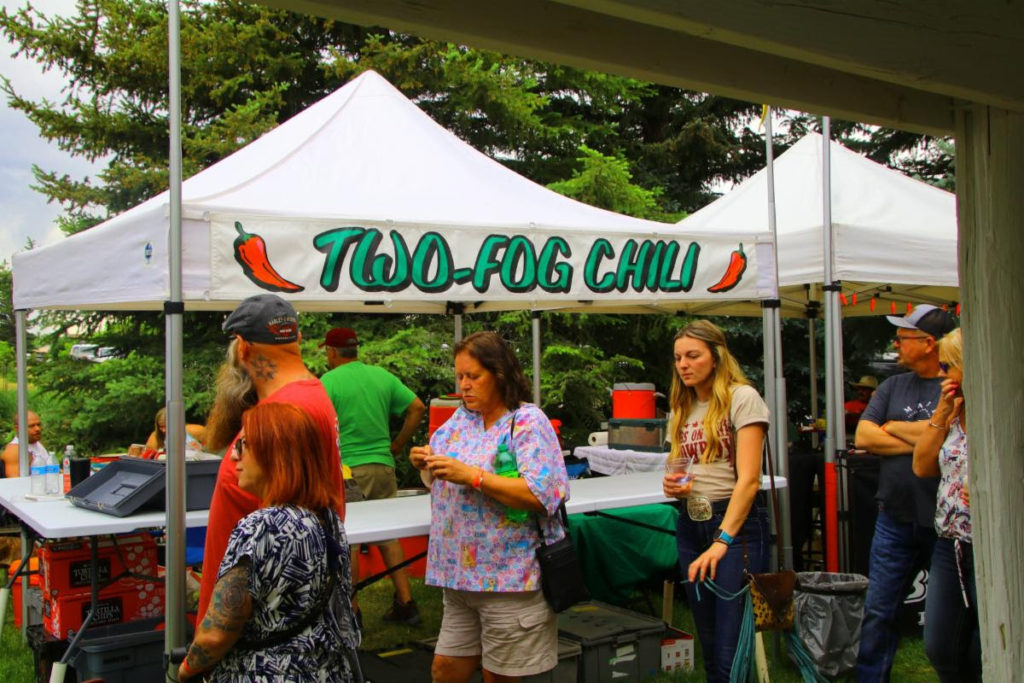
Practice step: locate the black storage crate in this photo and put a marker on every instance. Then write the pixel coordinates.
(617, 644)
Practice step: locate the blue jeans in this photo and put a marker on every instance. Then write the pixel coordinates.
(718, 621)
(952, 640)
(898, 550)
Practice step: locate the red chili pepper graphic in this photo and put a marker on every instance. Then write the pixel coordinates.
(733, 274)
(251, 254)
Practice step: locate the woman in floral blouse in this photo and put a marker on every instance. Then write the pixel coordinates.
(494, 611)
(952, 641)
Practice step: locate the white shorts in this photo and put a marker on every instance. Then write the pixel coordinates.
(514, 634)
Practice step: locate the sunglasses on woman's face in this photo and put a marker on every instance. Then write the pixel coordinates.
(239, 446)
(944, 367)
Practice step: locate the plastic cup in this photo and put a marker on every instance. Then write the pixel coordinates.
(678, 469)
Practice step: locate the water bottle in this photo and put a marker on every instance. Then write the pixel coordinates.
(53, 484)
(38, 472)
(505, 466)
(69, 453)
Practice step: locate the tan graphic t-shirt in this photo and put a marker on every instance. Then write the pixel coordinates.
(715, 480)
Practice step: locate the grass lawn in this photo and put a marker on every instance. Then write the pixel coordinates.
(911, 665)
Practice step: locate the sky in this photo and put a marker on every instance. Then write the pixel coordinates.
(25, 212)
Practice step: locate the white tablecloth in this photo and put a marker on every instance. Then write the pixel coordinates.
(604, 460)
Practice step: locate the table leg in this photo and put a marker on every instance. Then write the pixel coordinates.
(59, 668)
(668, 596)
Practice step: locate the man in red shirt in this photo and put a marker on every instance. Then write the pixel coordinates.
(264, 364)
(855, 406)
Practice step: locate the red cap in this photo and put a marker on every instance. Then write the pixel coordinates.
(341, 338)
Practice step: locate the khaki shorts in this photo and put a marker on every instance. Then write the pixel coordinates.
(376, 481)
(514, 634)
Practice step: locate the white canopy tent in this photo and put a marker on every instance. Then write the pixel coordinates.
(362, 202)
(890, 241)
(365, 202)
(892, 236)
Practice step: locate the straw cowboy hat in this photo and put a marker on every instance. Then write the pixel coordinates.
(867, 381)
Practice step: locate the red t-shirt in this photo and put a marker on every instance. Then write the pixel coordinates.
(230, 503)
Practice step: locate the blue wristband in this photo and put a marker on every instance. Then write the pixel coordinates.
(722, 536)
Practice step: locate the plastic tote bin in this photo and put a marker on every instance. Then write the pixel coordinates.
(122, 653)
(128, 484)
(617, 644)
(828, 610)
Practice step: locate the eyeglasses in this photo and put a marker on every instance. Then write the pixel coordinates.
(239, 446)
(944, 367)
(900, 340)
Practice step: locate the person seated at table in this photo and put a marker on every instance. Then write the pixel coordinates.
(194, 434)
(34, 427)
(494, 611)
(280, 608)
(718, 426)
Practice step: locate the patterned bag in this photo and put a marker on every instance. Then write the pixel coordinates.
(771, 595)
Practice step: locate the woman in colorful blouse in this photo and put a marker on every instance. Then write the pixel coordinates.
(280, 609)
(717, 429)
(480, 551)
(951, 637)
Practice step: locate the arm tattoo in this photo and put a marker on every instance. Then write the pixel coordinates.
(231, 604)
(264, 368)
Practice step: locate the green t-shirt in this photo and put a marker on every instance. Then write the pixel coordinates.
(365, 397)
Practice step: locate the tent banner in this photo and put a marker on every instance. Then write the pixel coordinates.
(327, 260)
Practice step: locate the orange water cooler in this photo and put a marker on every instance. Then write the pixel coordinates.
(634, 401)
(441, 408)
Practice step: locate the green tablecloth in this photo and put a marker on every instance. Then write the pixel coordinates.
(617, 555)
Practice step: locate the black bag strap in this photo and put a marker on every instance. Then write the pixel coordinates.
(561, 513)
(315, 610)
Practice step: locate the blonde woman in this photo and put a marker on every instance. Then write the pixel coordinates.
(951, 637)
(718, 426)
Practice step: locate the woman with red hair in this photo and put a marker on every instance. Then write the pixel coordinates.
(280, 608)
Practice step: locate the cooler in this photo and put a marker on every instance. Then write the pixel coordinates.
(441, 408)
(633, 400)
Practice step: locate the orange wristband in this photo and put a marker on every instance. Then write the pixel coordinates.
(478, 480)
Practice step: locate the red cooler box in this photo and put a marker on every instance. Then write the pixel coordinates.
(633, 401)
(441, 408)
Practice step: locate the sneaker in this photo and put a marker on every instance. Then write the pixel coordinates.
(407, 613)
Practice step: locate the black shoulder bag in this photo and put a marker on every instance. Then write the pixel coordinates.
(561, 578)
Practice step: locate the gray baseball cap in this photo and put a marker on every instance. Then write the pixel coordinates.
(925, 318)
(264, 319)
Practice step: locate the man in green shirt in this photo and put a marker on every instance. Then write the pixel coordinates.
(365, 397)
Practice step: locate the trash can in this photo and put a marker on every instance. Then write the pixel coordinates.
(828, 610)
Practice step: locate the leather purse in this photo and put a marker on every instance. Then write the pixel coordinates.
(561, 578)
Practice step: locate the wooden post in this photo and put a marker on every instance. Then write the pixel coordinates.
(990, 194)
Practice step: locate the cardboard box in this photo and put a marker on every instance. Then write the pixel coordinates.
(676, 650)
(65, 564)
(122, 602)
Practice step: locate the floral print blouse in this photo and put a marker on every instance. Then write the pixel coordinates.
(473, 545)
(952, 512)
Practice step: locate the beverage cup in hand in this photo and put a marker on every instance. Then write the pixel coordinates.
(679, 470)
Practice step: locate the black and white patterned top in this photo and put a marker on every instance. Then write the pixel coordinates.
(288, 571)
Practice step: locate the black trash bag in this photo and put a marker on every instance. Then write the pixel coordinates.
(828, 610)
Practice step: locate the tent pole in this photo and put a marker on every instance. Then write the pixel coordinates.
(457, 332)
(21, 353)
(812, 356)
(834, 433)
(535, 320)
(775, 383)
(174, 309)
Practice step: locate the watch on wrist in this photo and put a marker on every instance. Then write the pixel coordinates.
(722, 537)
